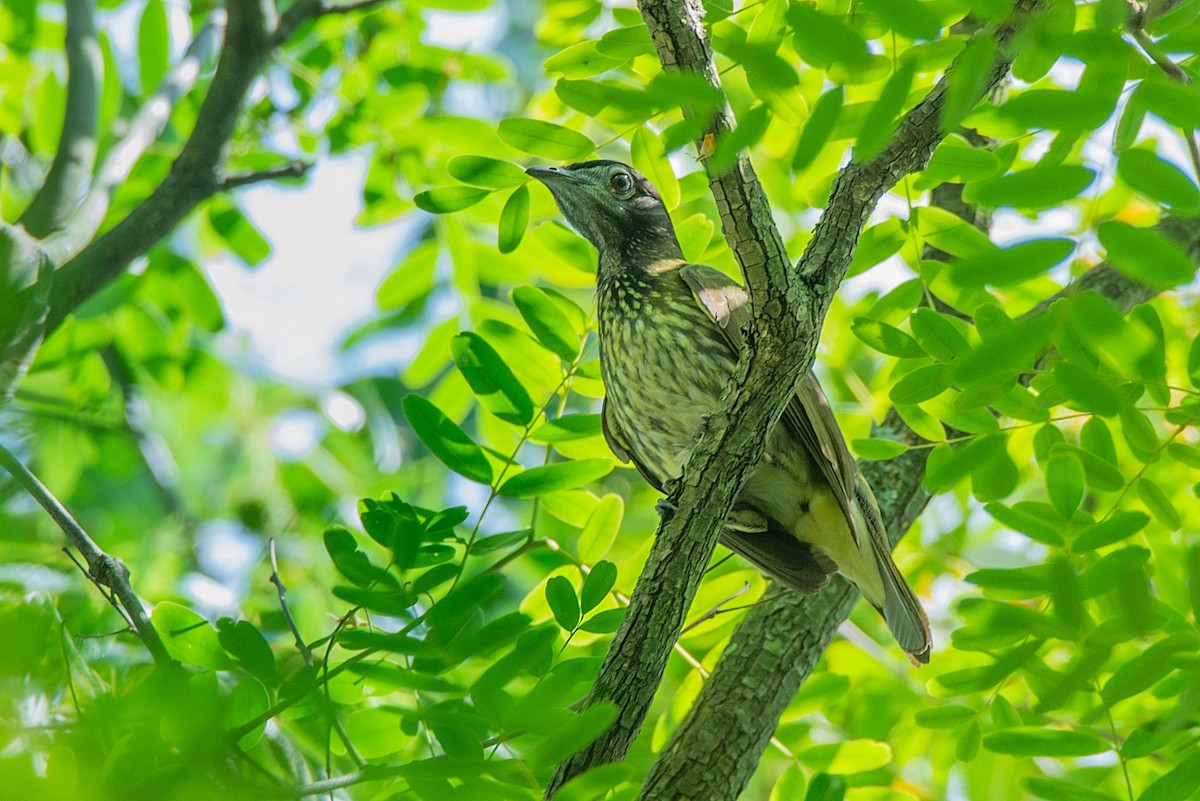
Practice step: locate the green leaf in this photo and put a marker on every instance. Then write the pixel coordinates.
(545, 139)
(967, 80)
(563, 602)
(1061, 790)
(554, 477)
(921, 384)
(951, 233)
(945, 717)
(1087, 390)
(940, 338)
(1193, 578)
(1058, 109)
(582, 60)
(605, 622)
(1146, 669)
(1011, 265)
(514, 219)
(568, 427)
(486, 172)
(1001, 354)
(909, 18)
(548, 322)
(650, 158)
(1174, 102)
(957, 161)
(826, 787)
(1035, 188)
(878, 449)
(1159, 180)
(491, 379)
(350, 561)
(572, 737)
(1020, 518)
(880, 122)
(968, 743)
(1145, 256)
(1118, 527)
(597, 585)
(188, 637)
(1187, 454)
(600, 532)
(447, 199)
(243, 641)
(1139, 432)
(877, 243)
(446, 441)
(154, 45)
(817, 129)
(1034, 741)
(239, 233)
(1159, 504)
(823, 40)
(1193, 362)
(886, 338)
(1064, 482)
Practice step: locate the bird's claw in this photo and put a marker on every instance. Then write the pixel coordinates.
(701, 429)
(664, 507)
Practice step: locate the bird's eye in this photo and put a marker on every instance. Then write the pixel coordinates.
(622, 183)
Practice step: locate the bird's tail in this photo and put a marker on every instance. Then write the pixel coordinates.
(900, 608)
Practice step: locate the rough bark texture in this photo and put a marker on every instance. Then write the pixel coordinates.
(789, 307)
(715, 750)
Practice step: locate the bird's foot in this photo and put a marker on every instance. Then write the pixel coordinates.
(665, 507)
(701, 429)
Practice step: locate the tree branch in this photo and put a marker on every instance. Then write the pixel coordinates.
(75, 157)
(145, 127)
(292, 169)
(103, 569)
(789, 308)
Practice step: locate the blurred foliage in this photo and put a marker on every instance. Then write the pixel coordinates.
(453, 619)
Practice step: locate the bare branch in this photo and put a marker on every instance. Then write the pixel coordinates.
(146, 126)
(103, 569)
(75, 158)
(293, 169)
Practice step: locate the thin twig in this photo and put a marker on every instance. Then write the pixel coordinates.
(716, 610)
(104, 569)
(293, 169)
(306, 652)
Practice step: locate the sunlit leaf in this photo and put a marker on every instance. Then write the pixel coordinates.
(563, 602)
(545, 139)
(596, 586)
(1034, 188)
(1145, 255)
(514, 219)
(547, 321)
(448, 199)
(1034, 741)
(553, 477)
(445, 440)
(491, 379)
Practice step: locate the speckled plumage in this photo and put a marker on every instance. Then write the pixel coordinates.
(670, 336)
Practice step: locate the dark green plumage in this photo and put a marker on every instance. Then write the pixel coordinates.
(670, 335)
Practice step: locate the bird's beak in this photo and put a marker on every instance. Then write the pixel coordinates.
(549, 175)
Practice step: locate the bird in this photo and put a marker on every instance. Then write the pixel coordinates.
(670, 334)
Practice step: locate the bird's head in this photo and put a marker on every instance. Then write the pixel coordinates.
(616, 209)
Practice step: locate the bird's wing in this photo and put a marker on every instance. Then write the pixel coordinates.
(807, 416)
(618, 443)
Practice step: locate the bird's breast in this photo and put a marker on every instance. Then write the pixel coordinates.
(665, 363)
